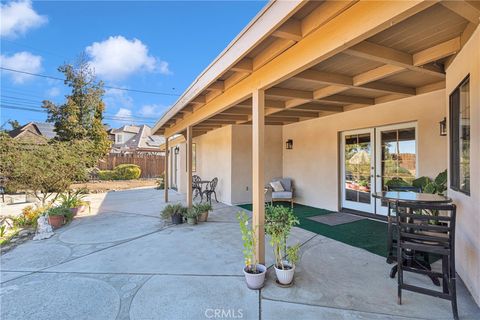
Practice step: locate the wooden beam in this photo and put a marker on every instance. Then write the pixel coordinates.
(312, 106)
(238, 110)
(295, 113)
(342, 99)
(258, 173)
(468, 10)
(290, 30)
(165, 182)
(189, 167)
(218, 85)
(229, 117)
(282, 119)
(289, 93)
(244, 65)
(322, 14)
(272, 51)
(235, 78)
(328, 91)
(431, 87)
(376, 74)
(437, 52)
(218, 121)
(324, 77)
(198, 100)
(388, 88)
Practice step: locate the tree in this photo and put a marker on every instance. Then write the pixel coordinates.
(80, 117)
(14, 124)
(44, 170)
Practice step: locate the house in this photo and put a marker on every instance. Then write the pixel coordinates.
(134, 139)
(338, 95)
(34, 132)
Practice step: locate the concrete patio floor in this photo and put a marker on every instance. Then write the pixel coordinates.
(122, 261)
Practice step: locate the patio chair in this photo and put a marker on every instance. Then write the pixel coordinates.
(392, 225)
(211, 190)
(282, 190)
(197, 186)
(430, 234)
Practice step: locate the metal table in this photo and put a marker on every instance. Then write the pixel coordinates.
(394, 197)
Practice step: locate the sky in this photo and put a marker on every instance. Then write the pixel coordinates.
(155, 46)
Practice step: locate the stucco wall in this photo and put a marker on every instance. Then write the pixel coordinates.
(468, 207)
(313, 162)
(242, 160)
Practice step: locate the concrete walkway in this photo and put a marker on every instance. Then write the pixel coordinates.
(123, 262)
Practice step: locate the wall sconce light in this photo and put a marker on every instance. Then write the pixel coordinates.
(176, 150)
(289, 144)
(443, 127)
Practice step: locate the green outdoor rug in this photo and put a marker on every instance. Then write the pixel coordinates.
(366, 234)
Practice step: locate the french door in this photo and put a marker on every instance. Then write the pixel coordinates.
(373, 159)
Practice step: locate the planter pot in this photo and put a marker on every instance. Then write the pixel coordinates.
(255, 280)
(285, 276)
(203, 216)
(192, 220)
(75, 211)
(177, 219)
(56, 221)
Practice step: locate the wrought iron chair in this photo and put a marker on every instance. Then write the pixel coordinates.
(197, 187)
(430, 234)
(392, 224)
(211, 190)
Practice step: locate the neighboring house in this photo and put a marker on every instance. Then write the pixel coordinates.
(34, 132)
(307, 85)
(135, 139)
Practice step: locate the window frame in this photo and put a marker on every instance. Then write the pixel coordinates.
(454, 137)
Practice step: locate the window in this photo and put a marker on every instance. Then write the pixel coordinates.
(119, 138)
(460, 138)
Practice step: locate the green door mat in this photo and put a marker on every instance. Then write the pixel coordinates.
(366, 234)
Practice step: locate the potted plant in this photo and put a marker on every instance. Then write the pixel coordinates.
(174, 212)
(202, 210)
(191, 215)
(279, 220)
(254, 272)
(74, 200)
(58, 215)
(286, 272)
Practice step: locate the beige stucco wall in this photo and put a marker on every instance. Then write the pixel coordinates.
(468, 207)
(313, 162)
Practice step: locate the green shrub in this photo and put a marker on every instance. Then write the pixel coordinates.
(106, 175)
(127, 172)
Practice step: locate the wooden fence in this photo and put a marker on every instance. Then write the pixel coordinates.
(152, 165)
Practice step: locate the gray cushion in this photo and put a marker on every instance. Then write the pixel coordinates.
(286, 183)
(282, 195)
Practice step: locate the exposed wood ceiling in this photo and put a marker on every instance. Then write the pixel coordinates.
(404, 60)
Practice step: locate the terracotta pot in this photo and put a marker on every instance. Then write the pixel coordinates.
(56, 221)
(75, 211)
(203, 216)
(255, 280)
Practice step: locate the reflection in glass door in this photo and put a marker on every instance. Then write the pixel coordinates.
(357, 177)
(396, 158)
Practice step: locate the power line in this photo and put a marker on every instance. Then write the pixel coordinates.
(105, 86)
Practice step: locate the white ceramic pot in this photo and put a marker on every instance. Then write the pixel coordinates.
(285, 276)
(255, 280)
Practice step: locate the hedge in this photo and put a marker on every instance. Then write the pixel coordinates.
(121, 172)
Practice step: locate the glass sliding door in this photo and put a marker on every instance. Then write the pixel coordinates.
(396, 158)
(357, 170)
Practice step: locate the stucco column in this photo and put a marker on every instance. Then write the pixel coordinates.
(165, 178)
(189, 166)
(258, 127)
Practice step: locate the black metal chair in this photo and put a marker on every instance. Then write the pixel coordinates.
(392, 224)
(430, 234)
(211, 190)
(197, 187)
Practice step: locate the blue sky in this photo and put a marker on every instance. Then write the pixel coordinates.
(152, 46)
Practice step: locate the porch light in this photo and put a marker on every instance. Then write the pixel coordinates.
(176, 150)
(289, 144)
(443, 127)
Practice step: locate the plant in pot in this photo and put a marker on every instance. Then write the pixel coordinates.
(279, 220)
(191, 215)
(202, 210)
(58, 215)
(254, 272)
(74, 200)
(174, 212)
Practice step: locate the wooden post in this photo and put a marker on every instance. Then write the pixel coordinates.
(189, 167)
(165, 181)
(258, 187)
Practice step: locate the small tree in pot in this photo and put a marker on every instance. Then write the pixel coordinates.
(58, 215)
(279, 220)
(202, 210)
(253, 271)
(74, 200)
(174, 212)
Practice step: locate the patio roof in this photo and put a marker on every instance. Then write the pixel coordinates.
(317, 58)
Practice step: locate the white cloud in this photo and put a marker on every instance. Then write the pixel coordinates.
(23, 61)
(150, 110)
(115, 98)
(17, 17)
(117, 57)
(53, 92)
(124, 115)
